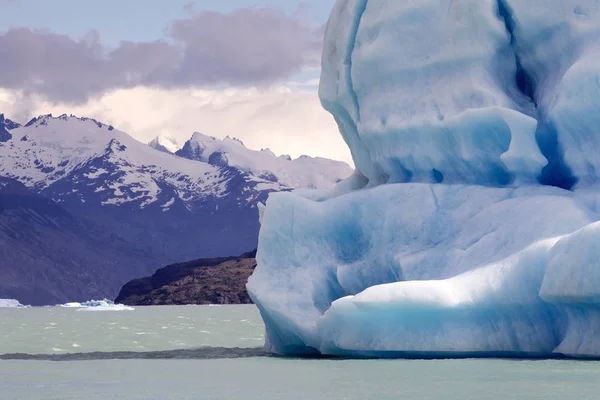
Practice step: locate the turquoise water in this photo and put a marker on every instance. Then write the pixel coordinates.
(204, 373)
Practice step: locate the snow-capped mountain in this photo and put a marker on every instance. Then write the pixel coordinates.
(279, 172)
(198, 203)
(99, 163)
(105, 165)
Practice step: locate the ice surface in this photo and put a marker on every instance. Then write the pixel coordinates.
(72, 304)
(103, 305)
(442, 105)
(10, 303)
(470, 227)
(470, 91)
(97, 305)
(558, 47)
(434, 269)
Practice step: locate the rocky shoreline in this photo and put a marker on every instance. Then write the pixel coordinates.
(205, 281)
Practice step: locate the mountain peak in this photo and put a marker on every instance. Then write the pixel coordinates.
(5, 126)
(164, 143)
(44, 119)
(268, 151)
(38, 120)
(264, 164)
(201, 137)
(233, 139)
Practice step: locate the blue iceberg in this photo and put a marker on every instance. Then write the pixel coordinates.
(471, 224)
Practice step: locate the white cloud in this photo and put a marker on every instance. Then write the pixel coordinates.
(286, 121)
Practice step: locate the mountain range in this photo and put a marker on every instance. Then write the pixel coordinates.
(85, 207)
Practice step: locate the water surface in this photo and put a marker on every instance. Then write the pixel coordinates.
(70, 330)
(213, 353)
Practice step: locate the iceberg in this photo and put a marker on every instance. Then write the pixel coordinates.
(11, 303)
(97, 305)
(103, 305)
(471, 224)
(73, 304)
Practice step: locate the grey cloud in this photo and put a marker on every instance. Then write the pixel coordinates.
(250, 45)
(247, 47)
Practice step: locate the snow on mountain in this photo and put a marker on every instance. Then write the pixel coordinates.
(282, 171)
(48, 149)
(118, 169)
(164, 143)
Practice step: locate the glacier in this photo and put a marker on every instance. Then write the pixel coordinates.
(472, 222)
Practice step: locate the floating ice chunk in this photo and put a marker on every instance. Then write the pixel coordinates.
(490, 106)
(11, 303)
(70, 305)
(98, 305)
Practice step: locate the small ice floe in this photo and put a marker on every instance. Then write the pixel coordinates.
(71, 305)
(11, 303)
(98, 305)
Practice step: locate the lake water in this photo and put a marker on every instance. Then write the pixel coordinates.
(195, 352)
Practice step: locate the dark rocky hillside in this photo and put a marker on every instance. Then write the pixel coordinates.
(50, 256)
(205, 281)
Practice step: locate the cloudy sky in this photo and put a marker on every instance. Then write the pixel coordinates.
(243, 68)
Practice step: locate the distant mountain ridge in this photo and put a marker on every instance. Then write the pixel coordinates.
(286, 173)
(201, 202)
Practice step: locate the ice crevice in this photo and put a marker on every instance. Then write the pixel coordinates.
(525, 82)
(556, 172)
